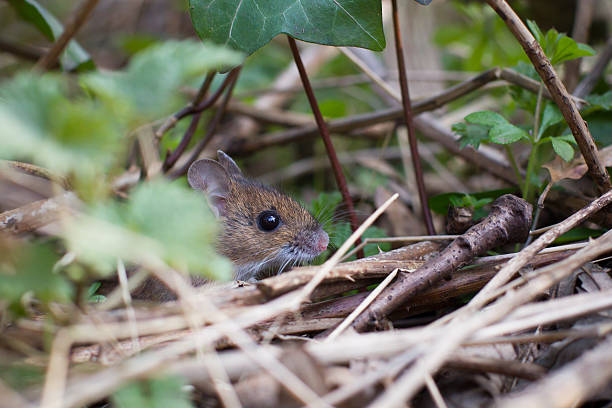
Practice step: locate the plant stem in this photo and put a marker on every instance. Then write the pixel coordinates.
(512, 161)
(533, 156)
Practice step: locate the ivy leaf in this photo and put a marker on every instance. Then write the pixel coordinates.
(551, 116)
(507, 133)
(74, 56)
(486, 118)
(178, 228)
(248, 25)
(471, 134)
(563, 149)
(148, 88)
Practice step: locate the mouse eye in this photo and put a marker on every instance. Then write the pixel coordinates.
(268, 220)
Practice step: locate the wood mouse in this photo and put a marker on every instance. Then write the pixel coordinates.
(263, 231)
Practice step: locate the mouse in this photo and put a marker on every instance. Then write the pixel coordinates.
(263, 231)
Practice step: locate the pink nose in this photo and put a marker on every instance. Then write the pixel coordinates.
(322, 241)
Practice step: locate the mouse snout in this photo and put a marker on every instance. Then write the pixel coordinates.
(322, 239)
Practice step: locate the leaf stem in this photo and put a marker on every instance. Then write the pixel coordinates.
(512, 160)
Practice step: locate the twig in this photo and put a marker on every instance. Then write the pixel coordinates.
(20, 50)
(588, 83)
(408, 120)
(543, 241)
(509, 221)
(191, 108)
(362, 306)
(78, 17)
(435, 392)
(324, 131)
(510, 368)
(212, 125)
(556, 88)
(579, 380)
(37, 214)
(171, 158)
(439, 350)
(580, 33)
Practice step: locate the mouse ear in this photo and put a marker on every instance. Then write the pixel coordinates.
(228, 164)
(210, 177)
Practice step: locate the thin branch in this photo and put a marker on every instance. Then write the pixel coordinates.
(171, 158)
(408, 121)
(588, 83)
(212, 125)
(324, 131)
(556, 88)
(77, 19)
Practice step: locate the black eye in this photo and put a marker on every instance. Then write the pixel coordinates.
(268, 220)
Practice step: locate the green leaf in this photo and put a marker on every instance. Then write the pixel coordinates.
(30, 269)
(471, 134)
(563, 149)
(160, 219)
(578, 234)
(507, 133)
(558, 47)
(537, 33)
(603, 101)
(148, 88)
(551, 116)
(440, 203)
(247, 25)
(153, 393)
(567, 49)
(568, 138)
(486, 118)
(324, 206)
(40, 123)
(74, 56)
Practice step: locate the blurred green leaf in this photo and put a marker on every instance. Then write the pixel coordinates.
(507, 133)
(160, 219)
(76, 136)
(440, 203)
(74, 56)
(153, 393)
(30, 269)
(149, 87)
(248, 25)
(563, 149)
(578, 234)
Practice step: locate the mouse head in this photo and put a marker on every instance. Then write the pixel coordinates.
(263, 230)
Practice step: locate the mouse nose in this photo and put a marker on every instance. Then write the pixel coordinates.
(322, 241)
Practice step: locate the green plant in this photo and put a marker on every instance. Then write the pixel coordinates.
(548, 124)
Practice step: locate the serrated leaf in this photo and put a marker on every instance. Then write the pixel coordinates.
(160, 220)
(563, 149)
(148, 88)
(485, 118)
(568, 138)
(506, 133)
(471, 134)
(74, 56)
(439, 203)
(551, 116)
(247, 25)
